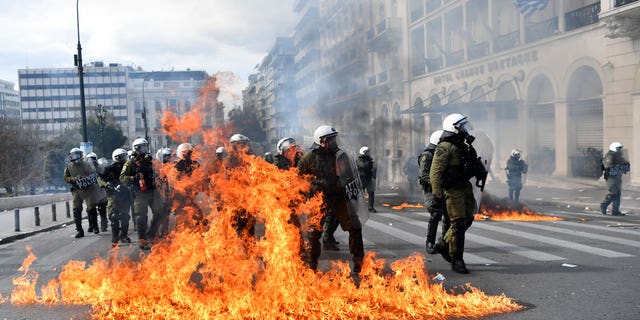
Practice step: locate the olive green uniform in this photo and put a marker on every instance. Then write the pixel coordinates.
(449, 180)
(84, 187)
(321, 164)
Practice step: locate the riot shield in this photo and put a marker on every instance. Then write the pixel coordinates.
(484, 148)
(349, 180)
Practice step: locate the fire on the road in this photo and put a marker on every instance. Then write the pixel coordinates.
(404, 205)
(500, 210)
(202, 272)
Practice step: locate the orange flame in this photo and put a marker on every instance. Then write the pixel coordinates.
(407, 205)
(508, 214)
(207, 271)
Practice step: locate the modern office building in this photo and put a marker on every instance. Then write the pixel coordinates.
(50, 97)
(9, 101)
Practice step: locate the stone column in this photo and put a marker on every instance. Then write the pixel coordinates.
(635, 139)
(562, 139)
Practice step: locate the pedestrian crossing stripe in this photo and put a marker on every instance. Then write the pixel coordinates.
(420, 241)
(504, 246)
(532, 254)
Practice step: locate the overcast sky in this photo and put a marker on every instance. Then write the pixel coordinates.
(209, 35)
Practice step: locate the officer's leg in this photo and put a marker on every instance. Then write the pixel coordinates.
(92, 212)
(330, 226)
(314, 249)
(140, 205)
(615, 205)
(356, 248)
(432, 229)
(510, 193)
(114, 218)
(123, 207)
(77, 214)
(102, 211)
(457, 246)
(371, 197)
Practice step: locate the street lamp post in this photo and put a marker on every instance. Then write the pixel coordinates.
(101, 114)
(78, 63)
(144, 108)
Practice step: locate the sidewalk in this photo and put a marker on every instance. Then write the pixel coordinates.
(579, 193)
(27, 223)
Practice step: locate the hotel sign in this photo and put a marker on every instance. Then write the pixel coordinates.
(489, 67)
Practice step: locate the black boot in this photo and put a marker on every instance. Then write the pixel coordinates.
(443, 248)
(457, 263)
(603, 208)
(432, 229)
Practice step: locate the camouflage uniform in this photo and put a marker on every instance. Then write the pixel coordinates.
(435, 206)
(119, 202)
(140, 168)
(321, 164)
(614, 166)
(449, 180)
(84, 187)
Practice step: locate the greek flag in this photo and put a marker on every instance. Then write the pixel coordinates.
(528, 7)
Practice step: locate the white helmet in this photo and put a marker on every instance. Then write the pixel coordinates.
(284, 144)
(221, 150)
(435, 137)
(75, 154)
(91, 155)
(615, 146)
(140, 146)
(515, 152)
(163, 155)
(119, 155)
(454, 123)
(322, 132)
(239, 138)
(183, 150)
(364, 150)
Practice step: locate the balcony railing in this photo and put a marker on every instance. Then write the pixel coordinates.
(417, 69)
(385, 34)
(434, 64)
(455, 58)
(479, 50)
(507, 41)
(541, 30)
(582, 17)
(432, 5)
(623, 2)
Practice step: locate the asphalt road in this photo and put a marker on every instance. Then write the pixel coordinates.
(523, 260)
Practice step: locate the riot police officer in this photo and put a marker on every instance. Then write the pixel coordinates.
(138, 173)
(367, 173)
(288, 154)
(455, 161)
(435, 206)
(614, 166)
(101, 207)
(82, 177)
(320, 162)
(239, 147)
(516, 167)
(119, 200)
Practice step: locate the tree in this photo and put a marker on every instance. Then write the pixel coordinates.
(21, 158)
(55, 154)
(113, 136)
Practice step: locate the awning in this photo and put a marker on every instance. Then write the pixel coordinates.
(462, 107)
